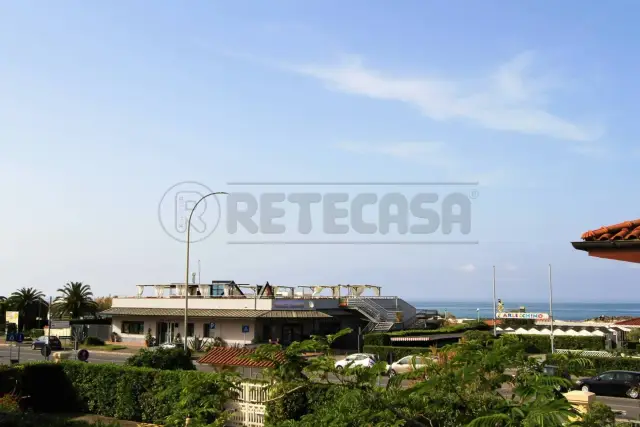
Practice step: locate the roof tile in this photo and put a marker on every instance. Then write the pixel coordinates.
(236, 357)
(629, 322)
(628, 230)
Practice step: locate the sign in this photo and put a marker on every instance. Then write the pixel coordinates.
(11, 337)
(212, 325)
(288, 304)
(12, 317)
(19, 338)
(59, 324)
(523, 316)
(245, 329)
(83, 355)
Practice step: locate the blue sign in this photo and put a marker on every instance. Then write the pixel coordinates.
(212, 325)
(11, 337)
(245, 329)
(19, 338)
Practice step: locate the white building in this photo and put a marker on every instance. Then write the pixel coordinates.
(245, 314)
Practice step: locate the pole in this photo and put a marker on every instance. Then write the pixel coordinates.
(478, 312)
(199, 283)
(359, 339)
(551, 308)
(49, 330)
(495, 331)
(186, 279)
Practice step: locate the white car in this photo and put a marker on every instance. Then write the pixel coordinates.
(357, 359)
(408, 364)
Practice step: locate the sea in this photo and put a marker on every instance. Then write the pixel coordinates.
(561, 310)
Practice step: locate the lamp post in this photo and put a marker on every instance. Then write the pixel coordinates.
(186, 279)
(478, 313)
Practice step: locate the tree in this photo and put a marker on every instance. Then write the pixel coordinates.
(76, 301)
(103, 303)
(29, 302)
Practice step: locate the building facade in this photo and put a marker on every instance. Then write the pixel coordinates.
(245, 314)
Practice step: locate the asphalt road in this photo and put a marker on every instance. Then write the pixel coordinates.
(630, 407)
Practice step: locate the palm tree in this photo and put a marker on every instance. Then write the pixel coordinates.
(24, 301)
(76, 301)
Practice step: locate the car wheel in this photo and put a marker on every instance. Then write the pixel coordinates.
(633, 393)
(33, 346)
(339, 368)
(585, 388)
(392, 373)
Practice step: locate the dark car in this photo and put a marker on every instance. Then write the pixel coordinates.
(54, 343)
(613, 383)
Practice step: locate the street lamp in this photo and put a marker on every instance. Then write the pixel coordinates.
(186, 280)
(478, 313)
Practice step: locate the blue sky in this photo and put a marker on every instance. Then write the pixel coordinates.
(104, 107)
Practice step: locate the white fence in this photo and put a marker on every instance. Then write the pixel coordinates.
(587, 353)
(249, 407)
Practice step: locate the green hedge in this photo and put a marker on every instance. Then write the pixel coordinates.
(602, 364)
(384, 339)
(536, 344)
(127, 393)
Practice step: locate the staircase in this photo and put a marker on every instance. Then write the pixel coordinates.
(380, 319)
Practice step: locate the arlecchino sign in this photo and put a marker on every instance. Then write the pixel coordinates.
(531, 316)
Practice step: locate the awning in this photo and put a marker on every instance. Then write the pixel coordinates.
(216, 313)
(434, 337)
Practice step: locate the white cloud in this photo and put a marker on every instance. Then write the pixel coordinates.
(469, 268)
(507, 100)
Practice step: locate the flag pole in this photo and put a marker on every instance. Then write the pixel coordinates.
(551, 308)
(495, 331)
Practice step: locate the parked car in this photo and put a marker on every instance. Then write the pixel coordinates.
(613, 383)
(357, 359)
(408, 364)
(54, 343)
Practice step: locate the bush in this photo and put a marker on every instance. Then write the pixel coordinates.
(602, 364)
(537, 344)
(384, 339)
(93, 341)
(296, 404)
(36, 333)
(127, 393)
(162, 358)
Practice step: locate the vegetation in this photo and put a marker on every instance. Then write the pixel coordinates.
(126, 393)
(29, 302)
(103, 303)
(93, 341)
(162, 358)
(75, 301)
(602, 364)
(385, 337)
(540, 344)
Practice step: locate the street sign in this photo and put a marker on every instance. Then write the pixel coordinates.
(245, 329)
(12, 317)
(46, 350)
(523, 316)
(11, 337)
(59, 324)
(19, 338)
(212, 325)
(83, 355)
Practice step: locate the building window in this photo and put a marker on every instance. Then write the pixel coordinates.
(217, 290)
(190, 329)
(208, 331)
(134, 328)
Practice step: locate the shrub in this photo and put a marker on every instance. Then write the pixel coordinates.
(127, 393)
(385, 338)
(602, 364)
(389, 353)
(93, 341)
(537, 344)
(36, 333)
(162, 358)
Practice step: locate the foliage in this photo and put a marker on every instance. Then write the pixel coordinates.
(29, 419)
(148, 338)
(127, 393)
(599, 415)
(196, 344)
(391, 354)
(30, 304)
(36, 333)
(93, 341)
(385, 337)
(76, 300)
(602, 364)
(103, 303)
(539, 344)
(162, 358)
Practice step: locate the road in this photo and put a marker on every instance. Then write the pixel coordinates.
(631, 407)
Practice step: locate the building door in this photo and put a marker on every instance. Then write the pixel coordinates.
(166, 332)
(291, 333)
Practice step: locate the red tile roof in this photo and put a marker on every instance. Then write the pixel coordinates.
(629, 230)
(490, 322)
(234, 357)
(629, 322)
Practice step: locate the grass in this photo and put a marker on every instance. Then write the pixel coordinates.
(106, 347)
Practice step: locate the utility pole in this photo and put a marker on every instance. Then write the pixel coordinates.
(495, 331)
(551, 308)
